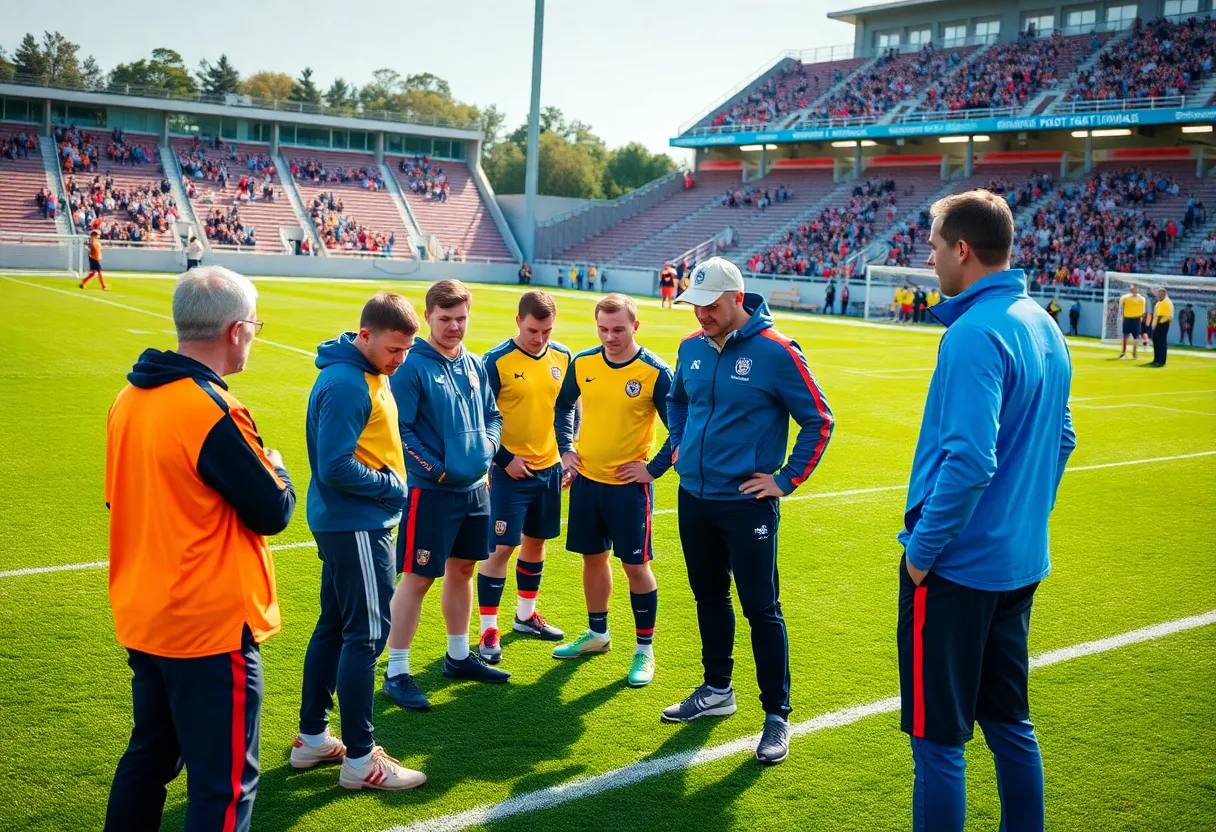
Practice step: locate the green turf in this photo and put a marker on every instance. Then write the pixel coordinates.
(1127, 735)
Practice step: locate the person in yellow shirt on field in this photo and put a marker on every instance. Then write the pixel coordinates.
(1131, 307)
(1163, 313)
(592, 275)
(934, 298)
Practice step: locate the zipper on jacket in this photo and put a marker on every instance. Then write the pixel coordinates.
(713, 402)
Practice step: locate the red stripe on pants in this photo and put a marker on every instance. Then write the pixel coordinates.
(238, 737)
(410, 525)
(918, 662)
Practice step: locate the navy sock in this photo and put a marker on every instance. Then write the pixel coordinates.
(489, 593)
(645, 605)
(598, 622)
(527, 578)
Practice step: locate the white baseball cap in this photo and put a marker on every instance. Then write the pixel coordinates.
(709, 280)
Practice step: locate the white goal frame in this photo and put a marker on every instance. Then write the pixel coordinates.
(1182, 289)
(49, 255)
(879, 292)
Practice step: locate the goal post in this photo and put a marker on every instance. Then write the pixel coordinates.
(882, 283)
(61, 255)
(1198, 292)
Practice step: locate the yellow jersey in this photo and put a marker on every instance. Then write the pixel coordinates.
(621, 403)
(1163, 313)
(1132, 305)
(935, 297)
(526, 388)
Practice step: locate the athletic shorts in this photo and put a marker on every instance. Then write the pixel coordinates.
(667, 291)
(616, 517)
(94, 265)
(1131, 326)
(906, 309)
(438, 525)
(531, 506)
(963, 656)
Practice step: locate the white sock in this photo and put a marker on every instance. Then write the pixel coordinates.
(648, 649)
(488, 621)
(458, 646)
(524, 608)
(315, 740)
(398, 661)
(718, 691)
(358, 762)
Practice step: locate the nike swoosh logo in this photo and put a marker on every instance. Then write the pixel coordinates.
(588, 380)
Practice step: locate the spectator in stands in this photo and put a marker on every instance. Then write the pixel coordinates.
(314, 170)
(194, 253)
(1159, 59)
(19, 146)
(525, 274)
(784, 92)
(894, 78)
(341, 232)
(689, 182)
(1003, 76)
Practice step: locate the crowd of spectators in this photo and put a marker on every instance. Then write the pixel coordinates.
(761, 199)
(1159, 59)
(225, 227)
(1003, 76)
(423, 178)
(315, 171)
(822, 247)
(18, 146)
(785, 92)
(341, 232)
(894, 78)
(1202, 265)
(135, 214)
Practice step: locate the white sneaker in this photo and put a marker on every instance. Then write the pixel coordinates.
(380, 772)
(303, 755)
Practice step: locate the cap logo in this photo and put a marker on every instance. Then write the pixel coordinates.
(698, 277)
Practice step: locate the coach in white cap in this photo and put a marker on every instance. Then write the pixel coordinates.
(737, 383)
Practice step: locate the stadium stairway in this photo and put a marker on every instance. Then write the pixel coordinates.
(463, 221)
(914, 105)
(177, 189)
(797, 118)
(1057, 95)
(20, 182)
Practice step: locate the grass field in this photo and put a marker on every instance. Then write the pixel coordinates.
(1128, 735)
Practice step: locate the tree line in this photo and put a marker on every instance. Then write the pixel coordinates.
(574, 162)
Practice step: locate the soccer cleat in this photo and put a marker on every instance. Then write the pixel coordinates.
(380, 772)
(304, 755)
(473, 667)
(774, 741)
(641, 673)
(405, 692)
(489, 646)
(537, 626)
(585, 645)
(702, 702)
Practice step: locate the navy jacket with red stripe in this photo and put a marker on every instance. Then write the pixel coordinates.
(729, 409)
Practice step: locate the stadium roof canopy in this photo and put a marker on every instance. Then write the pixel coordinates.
(852, 15)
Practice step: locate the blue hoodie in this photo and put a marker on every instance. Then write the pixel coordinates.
(994, 440)
(354, 449)
(728, 413)
(450, 424)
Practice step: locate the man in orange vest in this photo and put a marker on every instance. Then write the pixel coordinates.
(192, 495)
(94, 260)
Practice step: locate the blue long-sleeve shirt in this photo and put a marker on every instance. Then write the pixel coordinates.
(994, 441)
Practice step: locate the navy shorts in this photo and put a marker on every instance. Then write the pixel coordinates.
(531, 506)
(615, 517)
(438, 525)
(94, 265)
(1131, 326)
(963, 656)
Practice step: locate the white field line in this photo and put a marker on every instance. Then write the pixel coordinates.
(1129, 406)
(826, 495)
(656, 766)
(1076, 399)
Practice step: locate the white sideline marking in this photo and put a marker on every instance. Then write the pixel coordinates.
(655, 766)
(1130, 406)
(826, 495)
(1076, 399)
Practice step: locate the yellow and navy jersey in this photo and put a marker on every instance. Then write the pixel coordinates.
(526, 387)
(1132, 305)
(1164, 310)
(621, 403)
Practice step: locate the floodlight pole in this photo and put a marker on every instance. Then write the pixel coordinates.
(532, 167)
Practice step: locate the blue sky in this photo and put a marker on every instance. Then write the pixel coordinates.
(633, 70)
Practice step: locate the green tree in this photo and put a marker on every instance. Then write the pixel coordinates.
(7, 68)
(503, 164)
(305, 89)
(427, 82)
(631, 167)
(341, 96)
(164, 71)
(29, 58)
(275, 86)
(93, 76)
(61, 62)
(219, 78)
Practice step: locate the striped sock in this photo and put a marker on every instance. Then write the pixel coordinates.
(489, 596)
(645, 605)
(527, 585)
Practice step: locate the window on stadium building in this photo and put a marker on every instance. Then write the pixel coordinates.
(21, 109)
(79, 115)
(304, 135)
(954, 33)
(1039, 22)
(134, 121)
(208, 127)
(1121, 17)
(988, 30)
(887, 40)
(445, 149)
(919, 37)
(1172, 8)
(1080, 19)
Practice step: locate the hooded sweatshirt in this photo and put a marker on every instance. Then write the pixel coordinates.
(354, 448)
(191, 497)
(450, 424)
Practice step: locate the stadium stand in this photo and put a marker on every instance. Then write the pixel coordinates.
(212, 178)
(22, 180)
(786, 91)
(1005, 75)
(461, 221)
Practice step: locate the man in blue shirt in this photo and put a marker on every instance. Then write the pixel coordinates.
(994, 440)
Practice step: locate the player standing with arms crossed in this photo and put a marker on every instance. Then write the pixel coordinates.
(624, 390)
(737, 384)
(525, 374)
(996, 433)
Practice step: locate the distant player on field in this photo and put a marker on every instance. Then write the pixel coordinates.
(1131, 309)
(667, 286)
(1211, 325)
(624, 390)
(996, 433)
(525, 374)
(94, 261)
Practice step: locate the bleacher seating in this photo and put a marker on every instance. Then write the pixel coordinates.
(1005, 75)
(462, 221)
(373, 209)
(784, 92)
(21, 178)
(266, 216)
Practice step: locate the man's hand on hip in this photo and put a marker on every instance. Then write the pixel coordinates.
(761, 486)
(634, 472)
(274, 458)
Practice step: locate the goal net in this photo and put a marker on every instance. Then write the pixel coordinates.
(889, 290)
(1191, 296)
(42, 254)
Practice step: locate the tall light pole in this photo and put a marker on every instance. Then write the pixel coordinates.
(532, 168)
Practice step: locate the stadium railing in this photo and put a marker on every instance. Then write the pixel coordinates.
(1164, 102)
(564, 230)
(958, 115)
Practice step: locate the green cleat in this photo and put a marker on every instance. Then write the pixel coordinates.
(642, 671)
(585, 645)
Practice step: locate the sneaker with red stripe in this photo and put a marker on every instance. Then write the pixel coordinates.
(304, 755)
(489, 646)
(380, 772)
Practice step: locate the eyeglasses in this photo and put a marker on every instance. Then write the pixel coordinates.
(257, 325)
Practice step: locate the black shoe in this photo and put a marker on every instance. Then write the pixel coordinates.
(701, 702)
(473, 667)
(774, 742)
(405, 692)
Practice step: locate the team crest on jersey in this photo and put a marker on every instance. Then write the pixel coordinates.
(743, 366)
(556, 373)
(423, 556)
(473, 380)
(633, 388)
(500, 527)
